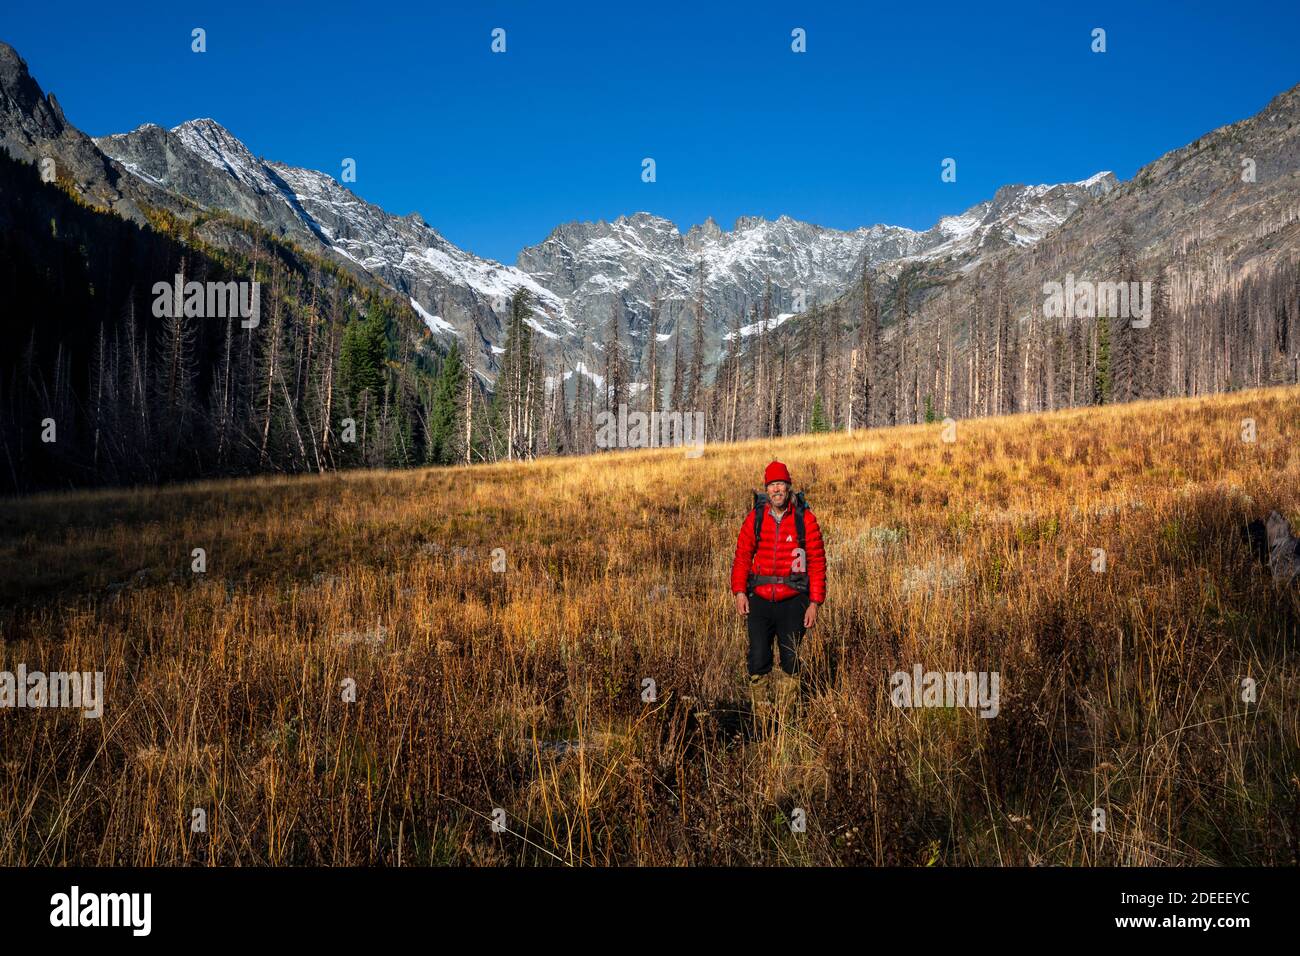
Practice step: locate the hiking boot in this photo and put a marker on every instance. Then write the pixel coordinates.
(761, 710)
(787, 692)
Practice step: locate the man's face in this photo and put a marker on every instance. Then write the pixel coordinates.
(777, 493)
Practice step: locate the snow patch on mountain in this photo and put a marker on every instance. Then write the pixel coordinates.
(436, 323)
(757, 327)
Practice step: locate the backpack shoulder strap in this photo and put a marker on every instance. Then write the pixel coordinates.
(760, 504)
(799, 506)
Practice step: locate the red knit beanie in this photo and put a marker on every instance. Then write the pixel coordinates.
(776, 472)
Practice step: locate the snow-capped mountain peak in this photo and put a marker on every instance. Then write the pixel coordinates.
(454, 291)
(627, 265)
(583, 272)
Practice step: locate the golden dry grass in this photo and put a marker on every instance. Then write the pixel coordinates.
(522, 690)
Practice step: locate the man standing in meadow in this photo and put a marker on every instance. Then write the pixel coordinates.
(778, 578)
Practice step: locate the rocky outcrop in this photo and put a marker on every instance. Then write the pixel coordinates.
(33, 129)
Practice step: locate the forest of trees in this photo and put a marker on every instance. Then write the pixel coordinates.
(972, 353)
(98, 390)
(340, 373)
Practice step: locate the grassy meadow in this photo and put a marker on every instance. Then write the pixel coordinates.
(522, 689)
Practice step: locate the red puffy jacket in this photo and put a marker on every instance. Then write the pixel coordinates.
(774, 556)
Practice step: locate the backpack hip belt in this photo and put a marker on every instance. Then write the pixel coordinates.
(797, 581)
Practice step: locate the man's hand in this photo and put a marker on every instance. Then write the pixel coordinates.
(810, 615)
(742, 604)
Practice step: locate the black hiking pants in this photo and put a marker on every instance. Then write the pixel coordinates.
(782, 620)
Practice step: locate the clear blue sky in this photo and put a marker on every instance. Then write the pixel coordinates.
(495, 150)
